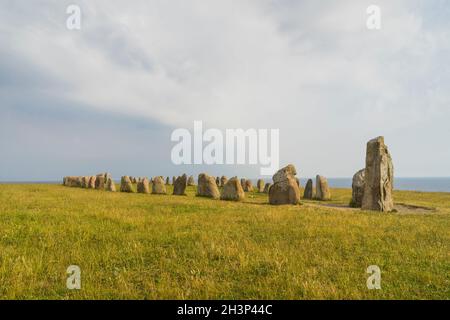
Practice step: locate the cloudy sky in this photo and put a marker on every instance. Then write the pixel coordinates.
(107, 97)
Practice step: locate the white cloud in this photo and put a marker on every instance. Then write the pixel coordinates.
(310, 68)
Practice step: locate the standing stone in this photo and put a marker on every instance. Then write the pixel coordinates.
(248, 186)
(267, 187)
(143, 186)
(207, 187)
(110, 185)
(126, 184)
(297, 180)
(218, 181)
(158, 186)
(223, 181)
(309, 191)
(379, 177)
(260, 185)
(84, 182)
(91, 183)
(243, 180)
(358, 189)
(284, 189)
(191, 181)
(179, 186)
(232, 190)
(322, 189)
(167, 181)
(174, 179)
(100, 182)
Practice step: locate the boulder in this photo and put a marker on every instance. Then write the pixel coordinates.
(110, 185)
(91, 183)
(158, 186)
(322, 189)
(207, 187)
(232, 190)
(284, 189)
(379, 177)
(309, 191)
(143, 186)
(267, 187)
(260, 185)
(191, 181)
(179, 186)
(223, 181)
(126, 185)
(357, 189)
(84, 182)
(248, 186)
(243, 180)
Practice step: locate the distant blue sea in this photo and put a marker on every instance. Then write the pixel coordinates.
(412, 184)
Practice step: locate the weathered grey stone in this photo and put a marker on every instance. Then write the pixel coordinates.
(207, 187)
(91, 183)
(243, 180)
(126, 184)
(322, 189)
(267, 187)
(309, 191)
(223, 181)
(191, 181)
(260, 185)
(84, 182)
(218, 181)
(379, 177)
(358, 189)
(179, 187)
(284, 189)
(232, 190)
(174, 179)
(158, 186)
(248, 186)
(73, 182)
(143, 186)
(100, 181)
(167, 181)
(110, 185)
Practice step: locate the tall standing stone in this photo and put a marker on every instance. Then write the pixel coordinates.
(232, 190)
(179, 187)
(309, 191)
(143, 186)
(260, 185)
(126, 184)
(218, 181)
(284, 189)
(158, 186)
(379, 177)
(358, 189)
(207, 187)
(174, 179)
(322, 189)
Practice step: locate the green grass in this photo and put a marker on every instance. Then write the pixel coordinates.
(132, 246)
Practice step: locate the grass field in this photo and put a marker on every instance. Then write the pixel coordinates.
(133, 246)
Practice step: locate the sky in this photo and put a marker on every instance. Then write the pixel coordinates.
(108, 96)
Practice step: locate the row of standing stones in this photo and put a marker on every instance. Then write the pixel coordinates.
(371, 187)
